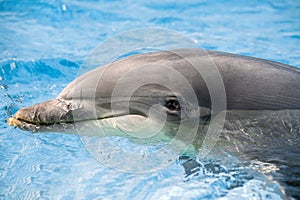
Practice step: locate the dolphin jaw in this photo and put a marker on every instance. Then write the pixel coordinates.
(31, 119)
(23, 125)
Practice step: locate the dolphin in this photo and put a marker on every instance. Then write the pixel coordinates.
(249, 83)
(168, 87)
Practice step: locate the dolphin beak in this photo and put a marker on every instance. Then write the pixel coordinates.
(48, 113)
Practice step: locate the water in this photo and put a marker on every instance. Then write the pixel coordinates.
(43, 45)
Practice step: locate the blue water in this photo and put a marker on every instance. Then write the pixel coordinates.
(43, 45)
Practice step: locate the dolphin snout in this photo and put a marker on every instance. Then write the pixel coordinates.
(47, 113)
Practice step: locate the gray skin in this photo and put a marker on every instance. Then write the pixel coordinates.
(250, 84)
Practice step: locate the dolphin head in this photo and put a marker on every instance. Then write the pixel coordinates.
(133, 90)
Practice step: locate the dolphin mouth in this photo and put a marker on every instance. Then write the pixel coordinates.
(35, 124)
(29, 125)
(54, 116)
(66, 126)
(41, 117)
(25, 125)
(59, 115)
(63, 115)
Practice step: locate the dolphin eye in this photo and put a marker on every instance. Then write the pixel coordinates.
(173, 104)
